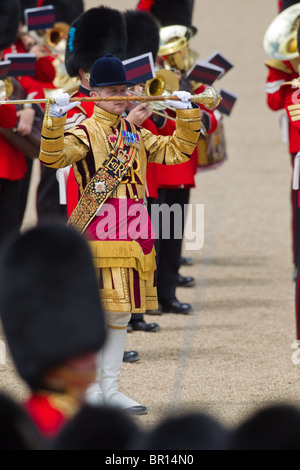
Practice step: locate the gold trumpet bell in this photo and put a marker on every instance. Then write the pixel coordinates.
(280, 40)
(163, 84)
(56, 37)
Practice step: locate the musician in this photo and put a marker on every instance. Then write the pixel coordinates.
(280, 72)
(13, 165)
(125, 259)
(289, 94)
(52, 320)
(42, 80)
(143, 37)
(174, 185)
(79, 60)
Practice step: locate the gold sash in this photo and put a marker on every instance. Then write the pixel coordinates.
(105, 180)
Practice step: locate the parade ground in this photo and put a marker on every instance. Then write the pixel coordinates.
(237, 351)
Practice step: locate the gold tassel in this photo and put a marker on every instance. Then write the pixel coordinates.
(48, 120)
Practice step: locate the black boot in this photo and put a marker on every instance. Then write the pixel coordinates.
(131, 356)
(174, 306)
(187, 281)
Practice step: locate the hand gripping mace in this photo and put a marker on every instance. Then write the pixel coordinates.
(210, 99)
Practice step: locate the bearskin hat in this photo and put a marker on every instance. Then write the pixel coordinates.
(95, 33)
(170, 12)
(283, 5)
(49, 300)
(10, 13)
(142, 33)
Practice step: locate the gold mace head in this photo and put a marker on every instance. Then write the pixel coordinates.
(210, 98)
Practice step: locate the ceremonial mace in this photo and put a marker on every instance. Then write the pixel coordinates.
(210, 98)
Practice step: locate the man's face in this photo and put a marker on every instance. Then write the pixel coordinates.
(113, 107)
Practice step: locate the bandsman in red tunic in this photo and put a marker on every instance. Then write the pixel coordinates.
(281, 72)
(290, 95)
(52, 320)
(174, 184)
(13, 164)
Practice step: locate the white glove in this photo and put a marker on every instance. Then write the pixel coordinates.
(62, 105)
(185, 102)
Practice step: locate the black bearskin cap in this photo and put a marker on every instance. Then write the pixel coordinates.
(287, 4)
(49, 300)
(171, 12)
(142, 33)
(95, 33)
(105, 428)
(10, 14)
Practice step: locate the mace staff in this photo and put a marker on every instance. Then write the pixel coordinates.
(210, 98)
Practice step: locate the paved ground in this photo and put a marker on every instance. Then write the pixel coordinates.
(235, 352)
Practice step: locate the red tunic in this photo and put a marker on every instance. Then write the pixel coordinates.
(50, 412)
(278, 99)
(183, 175)
(13, 164)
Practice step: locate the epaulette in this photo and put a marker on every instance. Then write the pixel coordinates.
(279, 65)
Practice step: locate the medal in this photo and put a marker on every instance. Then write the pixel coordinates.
(132, 140)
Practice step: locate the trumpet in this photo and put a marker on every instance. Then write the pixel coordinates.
(55, 38)
(163, 84)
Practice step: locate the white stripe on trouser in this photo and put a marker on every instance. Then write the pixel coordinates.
(296, 173)
(110, 359)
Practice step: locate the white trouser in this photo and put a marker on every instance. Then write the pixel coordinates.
(109, 363)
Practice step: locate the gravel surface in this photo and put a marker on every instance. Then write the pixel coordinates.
(234, 353)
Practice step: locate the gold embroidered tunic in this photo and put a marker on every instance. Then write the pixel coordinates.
(126, 274)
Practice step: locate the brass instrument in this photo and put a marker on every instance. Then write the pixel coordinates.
(174, 47)
(6, 88)
(280, 40)
(56, 37)
(164, 84)
(55, 40)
